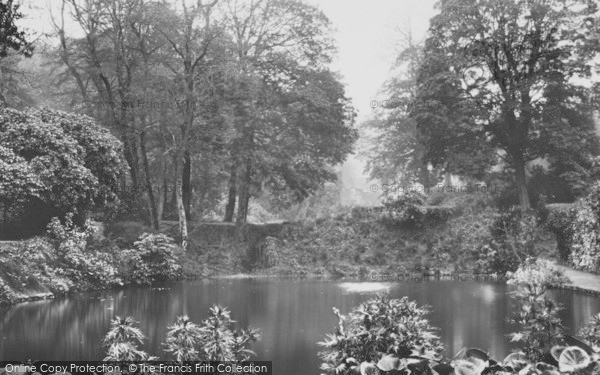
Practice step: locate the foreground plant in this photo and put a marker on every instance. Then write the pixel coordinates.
(385, 336)
(380, 332)
(216, 339)
(220, 341)
(537, 314)
(591, 332)
(122, 341)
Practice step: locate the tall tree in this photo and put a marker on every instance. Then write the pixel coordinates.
(504, 73)
(190, 35)
(394, 152)
(11, 39)
(282, 50)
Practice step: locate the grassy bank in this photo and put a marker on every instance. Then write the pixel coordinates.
(365, 243)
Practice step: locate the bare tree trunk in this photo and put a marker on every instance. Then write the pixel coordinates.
(162, 194)
(243, 197)
(244, 182)
(187, 184)
(3, 102)
(447, 177)
(148, 180)
(183, 229)
(521, 180)
(230, 208)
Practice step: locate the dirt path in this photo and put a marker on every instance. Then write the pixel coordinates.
(582, 280)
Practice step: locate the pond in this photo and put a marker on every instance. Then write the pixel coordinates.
(293, 315)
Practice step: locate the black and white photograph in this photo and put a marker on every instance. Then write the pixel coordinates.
(300, 187)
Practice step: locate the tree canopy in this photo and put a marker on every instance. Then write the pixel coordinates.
(502, 79)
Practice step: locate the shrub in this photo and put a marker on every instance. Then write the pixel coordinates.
(585, 247)
(438, 214)
(125, 233)
(513, 237)
(406, 210)
(591, 331)
(73, 258)
(153, 258)
(376, 329)
(537, 314)
(560, 221)
(55, 162)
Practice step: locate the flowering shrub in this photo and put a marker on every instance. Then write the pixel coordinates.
(153, 258)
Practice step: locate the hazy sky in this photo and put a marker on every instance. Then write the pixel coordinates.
(368, 35)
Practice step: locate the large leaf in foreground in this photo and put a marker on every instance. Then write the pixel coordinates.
(573, 359)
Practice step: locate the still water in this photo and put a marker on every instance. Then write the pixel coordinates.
(293, 315)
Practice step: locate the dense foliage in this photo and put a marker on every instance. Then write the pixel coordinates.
(537, 314)
(585, 245)
(11, 37)
(154, 257)
(77, 260)
(496, 80)
(72, 258)
(384, 336)
(513, 238)
(560, 220)
(591, 331)
(406, 210)
(375, 329)
(53, 163)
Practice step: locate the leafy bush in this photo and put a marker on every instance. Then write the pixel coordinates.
(591, 331)
(54, 162)
(513, 237)
(125, 233)
(73, 258)
(585, 247)
(376, 329)
(406, 210)
(560, 221)
(537, 314)
(153, 258)
(391, 337)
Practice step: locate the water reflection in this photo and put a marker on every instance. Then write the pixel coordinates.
(292, 315)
